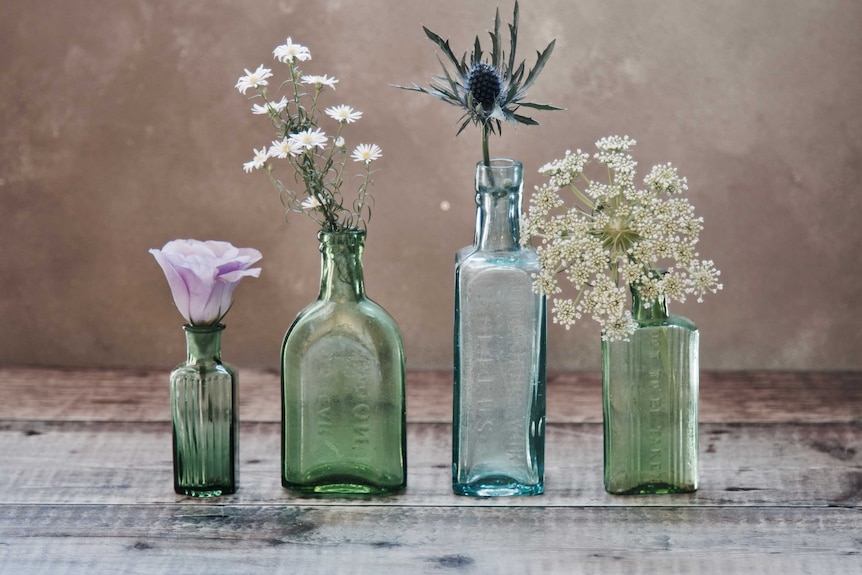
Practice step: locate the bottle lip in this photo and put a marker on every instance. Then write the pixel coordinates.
(500, 163)
(213, 328)
(341, 236)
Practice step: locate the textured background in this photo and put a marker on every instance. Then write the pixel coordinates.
(120, 129)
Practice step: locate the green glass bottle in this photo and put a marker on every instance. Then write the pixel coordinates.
(650, 391)
(205, 417)
(343, 392)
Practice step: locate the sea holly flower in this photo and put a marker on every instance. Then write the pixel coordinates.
(613, 235)
(319, 160)
(366, 153)
(254, 79)
(343, 113)
(203, 276)
(487, 91)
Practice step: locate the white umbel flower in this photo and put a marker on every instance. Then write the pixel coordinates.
(614, 232)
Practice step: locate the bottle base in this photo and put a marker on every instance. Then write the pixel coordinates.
(651, 489)
(204, 491)
(342, 487)
(497, 486)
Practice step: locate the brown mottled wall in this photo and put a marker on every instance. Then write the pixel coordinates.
(120, 129)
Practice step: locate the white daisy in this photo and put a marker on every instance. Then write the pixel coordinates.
(258, 161)
(270, 107)
(310, 203)
(366, 153)
(285, 147)
(308, 139)
(343, 113)
(253, 79)
(289, 52)
(320, 81)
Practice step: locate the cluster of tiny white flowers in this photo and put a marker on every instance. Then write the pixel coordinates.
(304, 143)
(615, 235)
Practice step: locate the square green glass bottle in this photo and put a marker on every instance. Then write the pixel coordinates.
(650, 395)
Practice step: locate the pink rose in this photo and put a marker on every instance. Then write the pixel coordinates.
(203, 275)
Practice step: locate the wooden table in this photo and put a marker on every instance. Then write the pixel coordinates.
(85, 487)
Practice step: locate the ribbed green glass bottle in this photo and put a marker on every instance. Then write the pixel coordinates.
(205, 417)
(650, 393)
(343, 393)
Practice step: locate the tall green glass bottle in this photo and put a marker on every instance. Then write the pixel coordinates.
(650, 393)
(343, 392)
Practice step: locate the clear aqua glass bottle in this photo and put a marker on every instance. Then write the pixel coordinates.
(343, 390)
(650, 395)
(498, 444)
(205, 417)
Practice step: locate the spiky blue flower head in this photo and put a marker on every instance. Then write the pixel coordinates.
(484, 85)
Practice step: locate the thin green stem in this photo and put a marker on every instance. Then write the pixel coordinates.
(582, 197)
(486, 156)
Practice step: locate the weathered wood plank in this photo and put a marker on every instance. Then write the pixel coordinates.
(763, 465)
(203, 538)
(142, 395)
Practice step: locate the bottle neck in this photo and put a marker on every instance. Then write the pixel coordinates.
(646, 311)
(203, 343)
(341, 265)
(499, 190)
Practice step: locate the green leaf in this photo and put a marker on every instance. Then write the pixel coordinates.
(444, 45)
(513, 35)
(452, 84)
(495, 41)
(464, 125)
(540, 64)
(525, 120)
(536, 106)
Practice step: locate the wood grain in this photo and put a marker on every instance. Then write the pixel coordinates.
(787, 465)
(85, 487)
(142, 395)
(198, 538)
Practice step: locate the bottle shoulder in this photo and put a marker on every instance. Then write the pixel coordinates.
(203, 369)
(672, 322)
(360, 319)
(471, 256)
